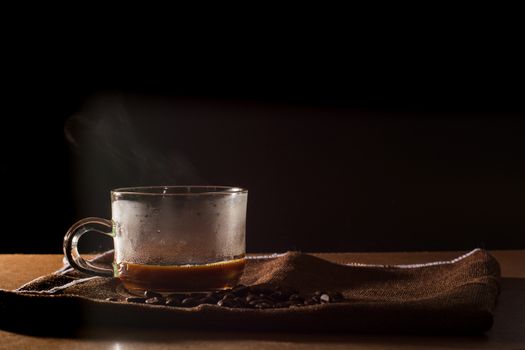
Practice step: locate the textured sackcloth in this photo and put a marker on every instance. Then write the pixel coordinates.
(456, 296)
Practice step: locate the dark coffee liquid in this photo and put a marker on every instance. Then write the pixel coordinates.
(181, 278)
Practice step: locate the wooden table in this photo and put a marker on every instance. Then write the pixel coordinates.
(508, 331)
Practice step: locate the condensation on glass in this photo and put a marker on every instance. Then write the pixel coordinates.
(190, 229)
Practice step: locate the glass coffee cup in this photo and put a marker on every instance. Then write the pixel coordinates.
(170, 239)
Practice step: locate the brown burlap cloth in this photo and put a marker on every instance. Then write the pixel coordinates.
(456, 296)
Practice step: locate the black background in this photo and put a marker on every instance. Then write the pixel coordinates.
(382, 143)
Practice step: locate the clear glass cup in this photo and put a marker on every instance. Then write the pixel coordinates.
(171, 238)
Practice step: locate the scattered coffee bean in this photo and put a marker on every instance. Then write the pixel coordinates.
(243, 303)
(228, 296)
(151, 294)
(251, 297)
(207, 300)
(135, 300)
(311, 301)
(215, 295)
(324, 298)
(226, 303)
(266, 301)
(237, 303)
(278, 296)
(294, 296)
(261, 290)
(258, 297)
(253, 303)
(284, 304)
(240, 290)
(176, 298)
(155, 301)
(262, 305)
(173, 301)
(190, 302)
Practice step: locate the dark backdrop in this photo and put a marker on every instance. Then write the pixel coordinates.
(371, 150)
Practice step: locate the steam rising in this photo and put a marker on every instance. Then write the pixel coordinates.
(117, 141)
(111, 136)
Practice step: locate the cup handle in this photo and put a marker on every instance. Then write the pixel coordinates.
(71, 241)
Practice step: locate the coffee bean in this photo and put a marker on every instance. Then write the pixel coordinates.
(176, 298)
(310, 301)
(259, 297)
(220, 294)
(284, 304)
(155, 301)
(324, 298)
(190, 302)
(296, 297)
(207, 300)
(227, 303)
(256, 302)
(243, 303)
(172, 301)
(236, 302)
(135, 300)
(229, 296)
(240, 290)
(213, 297)
(278, 296)
(251, 297)
(285, 294)
(151, 294)
(266, 300)
(262, 306)
(111, 299)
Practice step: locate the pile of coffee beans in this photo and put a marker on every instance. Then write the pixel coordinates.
(255, 297)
